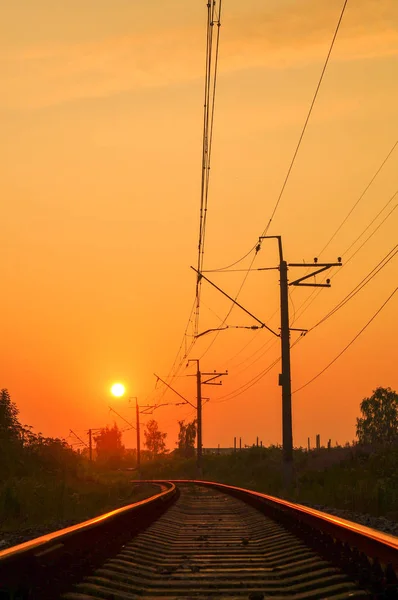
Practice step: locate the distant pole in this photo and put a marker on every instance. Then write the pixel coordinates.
(318, 441)
(240, 443)
(309, 444)
(211, 377)
(257, 442)
(285, 378)
(90, 444)
(137, 420)
(234, 444)
(261, 443)
(199, 419)
(218, 449)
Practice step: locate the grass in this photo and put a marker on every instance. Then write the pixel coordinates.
(358, 479)
(36, 501)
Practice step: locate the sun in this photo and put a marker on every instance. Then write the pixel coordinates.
(117, 389)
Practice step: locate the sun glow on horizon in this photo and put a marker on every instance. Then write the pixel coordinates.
(117, 390)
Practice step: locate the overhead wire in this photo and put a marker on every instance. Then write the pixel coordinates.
(257, 246)
(265, 349)
(241, 349)
(208, 124)
(231, 307)
(316, 293)
(237, 261)
(307, 119)
(270, 342)
(360, 198)
(370, 224)
(367, 279)
(247, 385)
(386, 259)
(312, 297)
(348, 345)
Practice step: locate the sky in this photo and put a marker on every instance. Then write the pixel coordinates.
(101, 115)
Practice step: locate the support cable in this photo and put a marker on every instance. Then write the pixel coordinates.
(208, 125)
(307, 303)
(307, 119)
(257, 246)
(348, 345)
(379, 267)
(359, 199)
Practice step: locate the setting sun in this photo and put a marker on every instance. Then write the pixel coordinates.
(117, 389)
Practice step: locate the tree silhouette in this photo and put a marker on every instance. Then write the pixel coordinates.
(186, 439)
(379, 421)
(10, 427)
(154, 439)
(109, 447)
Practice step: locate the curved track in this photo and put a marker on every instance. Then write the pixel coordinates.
(209, 544)
(205, 540)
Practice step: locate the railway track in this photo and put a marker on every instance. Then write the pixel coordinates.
(206, 541)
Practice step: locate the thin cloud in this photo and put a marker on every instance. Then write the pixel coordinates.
(37, 76)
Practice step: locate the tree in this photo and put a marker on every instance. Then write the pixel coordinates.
(109, 447)
(10, 427)
(186, 438)
(11, 436)
(49, 455)
(379, 421)
(154, 439)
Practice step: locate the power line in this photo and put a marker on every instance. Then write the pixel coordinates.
(237, 261)
(307, 119)
(349, 344)
(243, 388)
(316, 293)
(359, 199)
(307, 303)
(370, 224)
(241, 350)
(257, 246)
(174, 370)
(379, 267)
(208, 123)
(264, 349)
(232, 305)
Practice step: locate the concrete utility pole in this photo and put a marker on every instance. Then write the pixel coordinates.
(285, 376)
(199, 382)
(199, 420)
(137, 420)
(78, 438)
(90, 444)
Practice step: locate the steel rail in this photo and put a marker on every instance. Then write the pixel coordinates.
(211, 544)
(375, 545)
(366, 555)
(26, 566)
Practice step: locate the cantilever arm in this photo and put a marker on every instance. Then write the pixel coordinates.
(235, 302)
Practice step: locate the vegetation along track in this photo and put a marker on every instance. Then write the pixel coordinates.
(206, 542)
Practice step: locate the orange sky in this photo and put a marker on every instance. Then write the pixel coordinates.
(101, 120)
